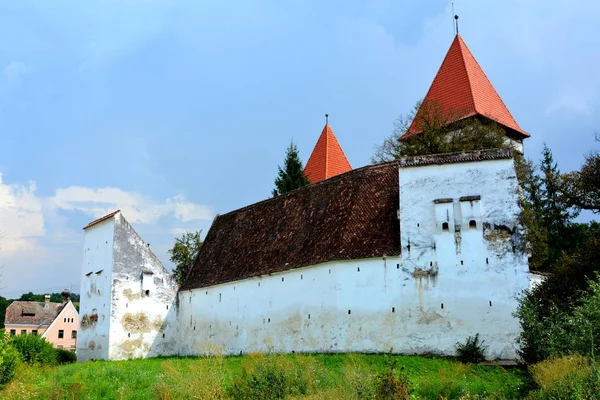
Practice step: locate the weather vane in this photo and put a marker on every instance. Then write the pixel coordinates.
(455, 22)
(326, 119)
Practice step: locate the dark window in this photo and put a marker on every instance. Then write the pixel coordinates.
(148, 293)
(34, 332)
(13, 332)
(445, 226)
(61, 334)
(73, 334)
(23, 331)
(472, 224)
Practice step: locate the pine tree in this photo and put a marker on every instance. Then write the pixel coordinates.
(292, 176)
(556, 213)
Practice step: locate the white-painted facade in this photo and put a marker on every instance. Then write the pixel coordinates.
(461, 267)
(126, 295)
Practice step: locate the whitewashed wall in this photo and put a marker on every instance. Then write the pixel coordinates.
(143, 293)
(95, 304)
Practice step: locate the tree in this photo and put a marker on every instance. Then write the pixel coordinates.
(442, 131)
(292, 176)
(184, 253)
(556, 213)
(582, 188)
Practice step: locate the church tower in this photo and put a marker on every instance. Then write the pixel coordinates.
(462, 90)
(327, 158)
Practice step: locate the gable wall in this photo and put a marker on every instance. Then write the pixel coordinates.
(67, 321)
(95, 305)
(138, 320)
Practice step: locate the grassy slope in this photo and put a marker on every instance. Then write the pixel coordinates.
(334, 377)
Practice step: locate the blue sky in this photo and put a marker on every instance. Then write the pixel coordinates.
(174, 111)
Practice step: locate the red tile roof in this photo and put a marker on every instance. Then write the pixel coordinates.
(462, 87)
(327, 159)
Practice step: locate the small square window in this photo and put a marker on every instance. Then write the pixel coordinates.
(23, 331)
(73, 334)
(34, 332)
(445, 227)
(13, 332)
(61, 334)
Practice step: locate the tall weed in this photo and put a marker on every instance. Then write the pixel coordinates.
(567, 377)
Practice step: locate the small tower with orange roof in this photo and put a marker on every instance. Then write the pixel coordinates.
(462, 88)
(327, 158)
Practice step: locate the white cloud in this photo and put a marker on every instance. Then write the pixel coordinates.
(21, 219)
(135, 207)
(13, 72)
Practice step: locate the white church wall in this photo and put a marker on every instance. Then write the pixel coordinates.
(481, 267)
(143, 296)
(95, 305)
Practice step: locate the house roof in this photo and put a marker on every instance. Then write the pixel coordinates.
(18, 312)
(462, 87)
(327, 158)
(350, 216)
(112, 214)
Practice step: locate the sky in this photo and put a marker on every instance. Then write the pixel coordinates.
(176, 111)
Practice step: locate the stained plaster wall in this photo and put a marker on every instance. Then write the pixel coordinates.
(143, 293)
(448, 286)
(479, 263)
(95, 305)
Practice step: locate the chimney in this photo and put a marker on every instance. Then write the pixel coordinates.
(47, 301)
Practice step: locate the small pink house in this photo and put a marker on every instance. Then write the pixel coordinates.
(56, 322)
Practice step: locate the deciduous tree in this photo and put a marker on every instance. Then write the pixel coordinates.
(184, 253)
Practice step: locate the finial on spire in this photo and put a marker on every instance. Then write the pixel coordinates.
(456, 19)
(326, 119)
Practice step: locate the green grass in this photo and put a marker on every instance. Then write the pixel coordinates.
(335, 376)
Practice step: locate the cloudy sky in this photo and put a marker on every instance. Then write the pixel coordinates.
(174, 111)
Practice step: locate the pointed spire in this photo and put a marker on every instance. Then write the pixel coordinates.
(462, 88)
(327, 158)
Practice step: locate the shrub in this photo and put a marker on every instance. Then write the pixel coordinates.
(552, 331)
(567, 377)
(9, 359)
(391, 385)
(34, 349)
(65, 356)
(275, 377)
(472, 351)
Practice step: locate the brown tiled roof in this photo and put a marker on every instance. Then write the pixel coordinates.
(112, 214)
(16, 313)
(350, 216)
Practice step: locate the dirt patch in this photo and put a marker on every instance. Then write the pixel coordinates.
(137, 323)
(130, 295)
(428, 316)
(89, 321)
(92, 345)
(422, 273)
(131, 345)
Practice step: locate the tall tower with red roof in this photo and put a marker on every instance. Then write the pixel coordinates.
(327, 158)
(462, 89)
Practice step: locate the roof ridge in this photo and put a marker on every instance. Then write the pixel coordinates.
(333, 178)
(462, 60)
(327, 130)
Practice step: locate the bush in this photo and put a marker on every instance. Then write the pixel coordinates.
(275, 377)
(553, 331)
(390, 385)
(9, 359)
(34, 349)
(65, 356)
(568, 377)
(472, 351)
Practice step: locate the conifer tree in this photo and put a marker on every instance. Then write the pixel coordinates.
(556, 213)
(292, 175)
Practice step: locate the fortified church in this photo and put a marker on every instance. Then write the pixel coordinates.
(409, 256)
